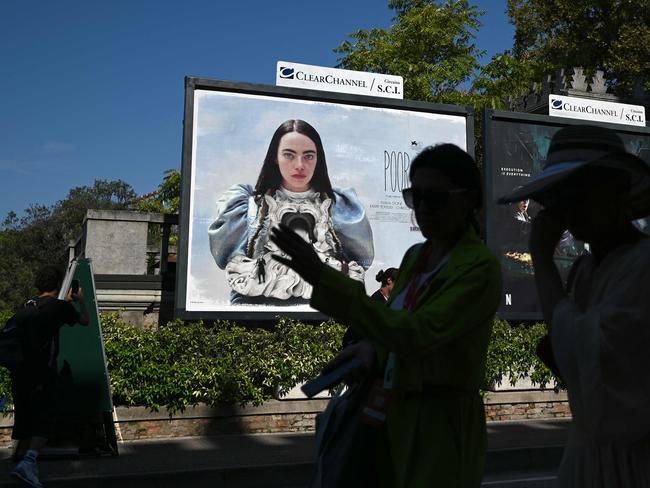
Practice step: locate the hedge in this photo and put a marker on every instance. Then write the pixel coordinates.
(188, 363)
(184, 364)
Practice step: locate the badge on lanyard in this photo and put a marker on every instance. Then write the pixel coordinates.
(376, 408)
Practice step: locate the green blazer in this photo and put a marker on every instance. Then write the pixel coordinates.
(443, 341)
(435, 427)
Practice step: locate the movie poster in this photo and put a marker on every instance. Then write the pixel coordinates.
(331, 171)
(515, 152)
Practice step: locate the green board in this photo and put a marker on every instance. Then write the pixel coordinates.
(84, 398)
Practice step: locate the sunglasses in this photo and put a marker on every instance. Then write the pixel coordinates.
(434, 198)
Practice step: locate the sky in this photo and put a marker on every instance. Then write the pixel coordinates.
(94, 90)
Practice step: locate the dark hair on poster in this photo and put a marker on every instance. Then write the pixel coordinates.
(270, 177)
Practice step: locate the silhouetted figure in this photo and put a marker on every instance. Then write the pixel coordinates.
(34, 383)
(600, 326)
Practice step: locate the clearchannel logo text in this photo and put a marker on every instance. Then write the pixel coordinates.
(287, 73)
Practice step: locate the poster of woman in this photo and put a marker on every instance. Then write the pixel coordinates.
(293, 188)
(332, 171)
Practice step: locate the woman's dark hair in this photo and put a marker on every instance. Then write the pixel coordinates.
(48, 278)
(455, 164)
(384, 276)
(270, 177)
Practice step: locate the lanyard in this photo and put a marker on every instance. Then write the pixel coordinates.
(414, 292)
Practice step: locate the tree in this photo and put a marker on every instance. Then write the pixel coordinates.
(502, 77)
(166, 199)
(42, 234)
(608, 35)
(430, 45)
(68, 214)
(25, 246)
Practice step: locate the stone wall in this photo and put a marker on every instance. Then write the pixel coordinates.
(132, 277)
(116, 241)
(522, 405)
(273, 416)
(5, 430)
(291, 416)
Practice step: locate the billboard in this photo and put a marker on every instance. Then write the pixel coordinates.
(515, 147)
(330, 166)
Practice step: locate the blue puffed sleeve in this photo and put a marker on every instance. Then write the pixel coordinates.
(352, 226)
(229, 232)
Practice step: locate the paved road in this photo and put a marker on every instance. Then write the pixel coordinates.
(281, 461)
(521, 479)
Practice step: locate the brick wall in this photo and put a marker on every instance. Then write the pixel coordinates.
(292, 416)
(252, 424)
(524, 405)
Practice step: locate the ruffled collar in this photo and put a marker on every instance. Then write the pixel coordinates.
(296, 195)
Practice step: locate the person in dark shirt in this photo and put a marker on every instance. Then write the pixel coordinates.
(34, 384)
(387, 280)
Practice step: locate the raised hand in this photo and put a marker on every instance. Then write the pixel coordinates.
(547, 229)
(304, 259)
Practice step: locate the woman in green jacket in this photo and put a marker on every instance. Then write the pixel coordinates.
(430, 342)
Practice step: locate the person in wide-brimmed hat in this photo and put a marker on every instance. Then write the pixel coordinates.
(599, 325)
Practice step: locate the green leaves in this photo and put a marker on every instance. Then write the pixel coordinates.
(166, 199)
(42, 234)
(613, 36)
(185, 364)
(430, 45)
(502, 77)
(512, 355)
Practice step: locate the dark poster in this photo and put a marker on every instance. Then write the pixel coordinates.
(515, 152)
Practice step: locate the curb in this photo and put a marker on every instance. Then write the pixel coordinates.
(279, 475)
(270, 476)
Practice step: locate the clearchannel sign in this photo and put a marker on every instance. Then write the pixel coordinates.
(596, 110)
(338, 80)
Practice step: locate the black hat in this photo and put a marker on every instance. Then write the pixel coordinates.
(576, 146)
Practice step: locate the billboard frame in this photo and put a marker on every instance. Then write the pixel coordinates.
(192, 84)
(490, 166)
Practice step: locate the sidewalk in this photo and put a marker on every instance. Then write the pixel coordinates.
(265, 460)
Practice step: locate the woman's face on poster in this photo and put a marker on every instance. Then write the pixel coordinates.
(297, 161)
